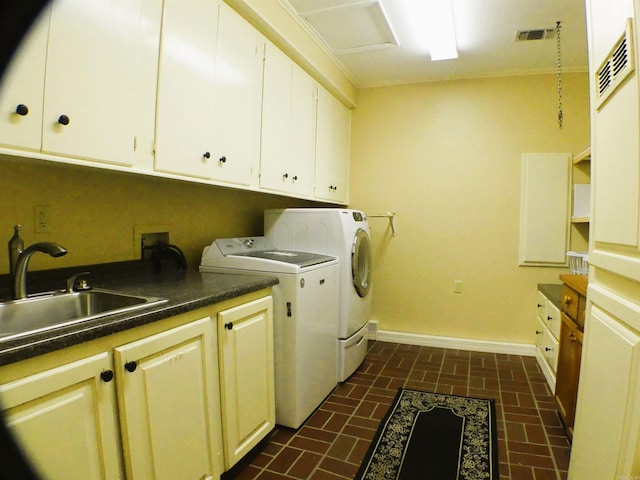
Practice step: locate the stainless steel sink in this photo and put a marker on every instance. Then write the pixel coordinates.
(43, 312)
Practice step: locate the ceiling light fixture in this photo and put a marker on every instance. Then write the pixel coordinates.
(441, 30)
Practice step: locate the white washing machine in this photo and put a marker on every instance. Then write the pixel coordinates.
(305, 317)
(345, 234)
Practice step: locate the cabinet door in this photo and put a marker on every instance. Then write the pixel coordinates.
(544, 209)
(238, 99)
(92, 90)
(186, 109)
(332, 149)
(276, 116)
(66, 420)
(246, 364)
(168, 397)
(22, 89)
(568, 371)
(608, 412)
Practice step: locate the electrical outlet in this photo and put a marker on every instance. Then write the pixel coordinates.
(458, 286)
(42, 218)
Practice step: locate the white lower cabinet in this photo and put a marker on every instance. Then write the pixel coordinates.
(245, 340)
(146, 403)
(73, 399)
(547, 328)
(169, 402)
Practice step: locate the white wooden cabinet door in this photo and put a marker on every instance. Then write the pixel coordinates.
(92, 89)
(544, 209)
(608, 409)
(186, 108)
(615, 150)
(22, 89)
(332, 149)
(238, 100)
(66, 420)
(245, 336)
(168, 397)
(276, 117)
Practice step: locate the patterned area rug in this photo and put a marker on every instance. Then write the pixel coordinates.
(434, 436)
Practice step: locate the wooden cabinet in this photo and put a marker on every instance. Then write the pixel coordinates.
(169, 404)
(333, 145)
(238, 100)
(209, 93)
(288, 148)
(78, 397)
(245, 343)
(544, 209)
(547, 329)
(186, 108)
(570, 353)
(22, 90)
(85, 80)
(146, 402)
(606, 438)
(95, 94)
(568, 372)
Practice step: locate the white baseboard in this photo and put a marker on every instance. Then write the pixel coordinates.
(524, 349)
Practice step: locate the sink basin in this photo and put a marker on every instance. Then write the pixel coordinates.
(52, 310)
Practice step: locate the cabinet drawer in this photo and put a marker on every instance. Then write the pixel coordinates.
(547, 345)
(552, 319)
(570, 302)
(542, 305)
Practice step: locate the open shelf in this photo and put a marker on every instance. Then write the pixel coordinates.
(583, 156)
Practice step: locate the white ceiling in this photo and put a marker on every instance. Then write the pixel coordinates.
(485, 29)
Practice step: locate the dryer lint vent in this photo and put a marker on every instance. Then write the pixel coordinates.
(537, 34)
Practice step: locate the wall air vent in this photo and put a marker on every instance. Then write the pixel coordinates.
(538, 34)
(617, 66)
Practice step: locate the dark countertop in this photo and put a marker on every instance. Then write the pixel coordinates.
(185, 290)
(552, 291)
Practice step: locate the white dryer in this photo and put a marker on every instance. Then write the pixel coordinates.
(305, 317)
(344, 233)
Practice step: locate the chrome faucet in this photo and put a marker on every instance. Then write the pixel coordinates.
(22, 257)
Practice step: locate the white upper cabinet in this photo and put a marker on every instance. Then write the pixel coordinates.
(94, 95)
(544, 209)
(185, 122)
(21, 90)
(288, 126)
(333, 143)
(209, 93)
(238, 99)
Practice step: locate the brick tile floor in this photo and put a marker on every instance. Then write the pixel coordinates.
(334, 440)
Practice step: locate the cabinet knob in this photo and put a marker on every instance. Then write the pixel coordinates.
(538, 332)
(63, 120)
(295, 177)
(332, 187)
(206, 155)
(228, 326)
(549, 317)
(547, 349)
(107, 376)
(286, 175)
(539, 305)
(566, 300)
(223, 159)
(131, 366)
(22, 110)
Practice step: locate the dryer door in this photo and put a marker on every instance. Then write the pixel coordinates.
(361, 262)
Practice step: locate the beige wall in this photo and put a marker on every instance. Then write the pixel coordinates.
(446, 157)
(94, 212)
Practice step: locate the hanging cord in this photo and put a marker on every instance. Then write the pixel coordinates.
(559, 75)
